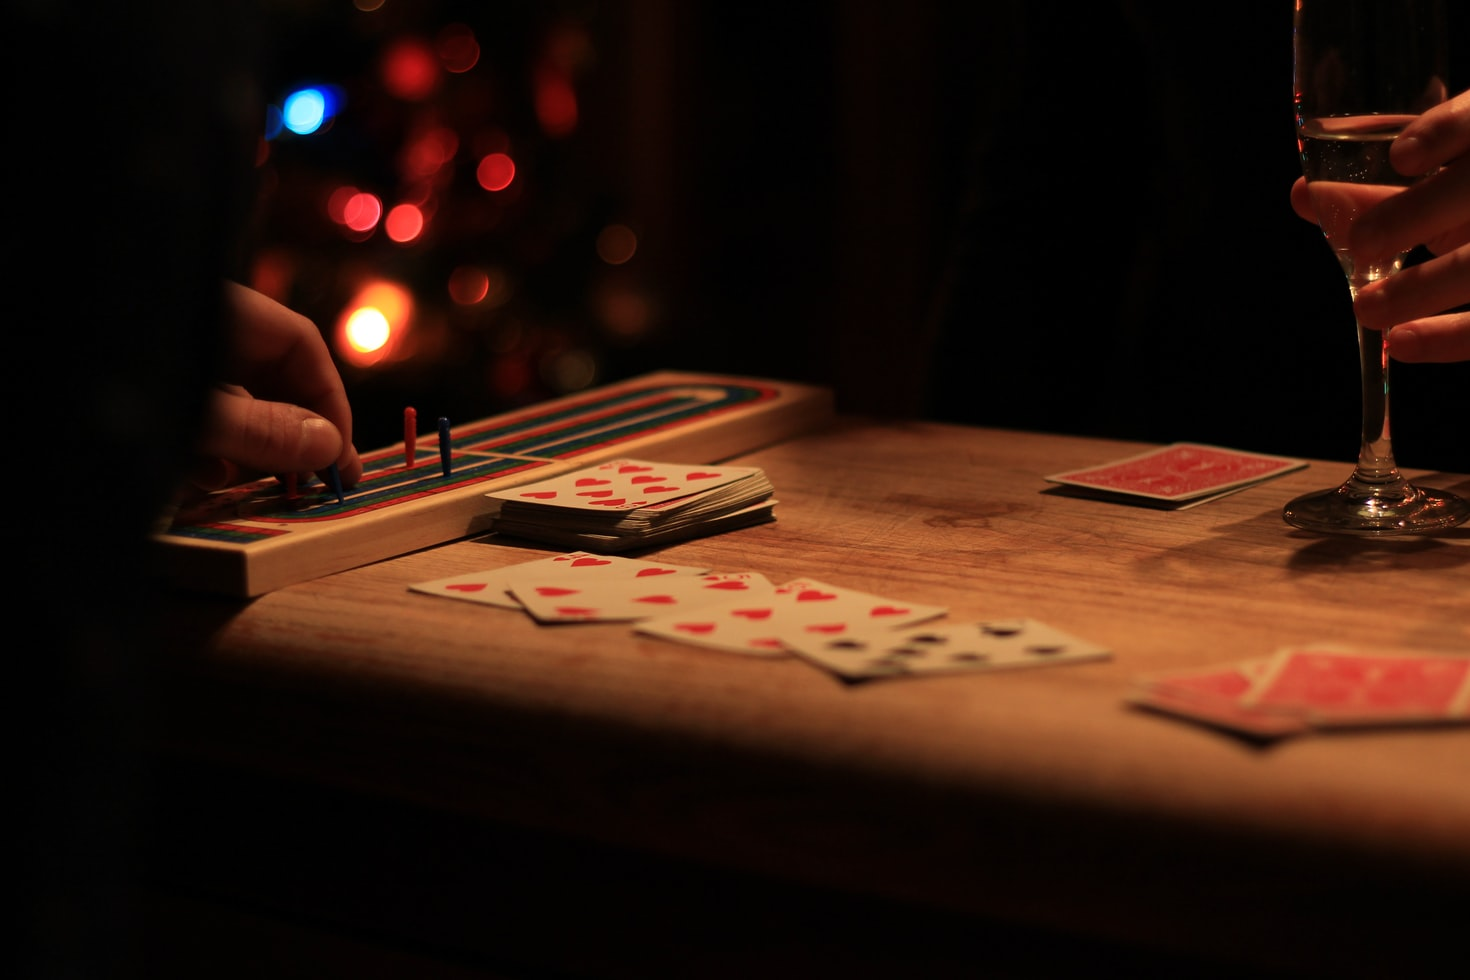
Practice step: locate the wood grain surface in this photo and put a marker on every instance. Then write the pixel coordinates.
(1033, 796)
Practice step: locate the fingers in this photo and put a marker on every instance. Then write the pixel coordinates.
(264, 437)
(1418, 291)
(279, 356)
(1422, 214)
(1301, 200)
(1441, 338)
(1434, 138)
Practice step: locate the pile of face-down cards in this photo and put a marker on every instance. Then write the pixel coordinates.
(631, 503)
(1303, 689)
(853, 635)
(1174, 477)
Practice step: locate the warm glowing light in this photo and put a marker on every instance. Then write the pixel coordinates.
(410, 69)
(496, 171)
(556, 102)
(373, 325)
(404, 223)
(571, 370)
(367, 330)
(427, 152)
(459, 51)
(468, 285)
(616, 244)
(362, 211)
(337, 203)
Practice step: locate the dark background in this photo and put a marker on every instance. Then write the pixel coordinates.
(1005, 214)
(987, 214)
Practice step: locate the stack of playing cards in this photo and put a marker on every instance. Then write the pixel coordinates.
(851, 634)
(1300, 689)
(1177, 476)
(631, 503)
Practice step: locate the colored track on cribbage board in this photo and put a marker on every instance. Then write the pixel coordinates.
(253, 539)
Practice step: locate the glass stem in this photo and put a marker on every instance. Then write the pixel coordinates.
(1375, 457)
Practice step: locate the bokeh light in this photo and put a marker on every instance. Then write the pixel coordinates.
(616, 244)
(410, 70)
(404, 223)
(458, 49)
(374, 324)
(495, 171)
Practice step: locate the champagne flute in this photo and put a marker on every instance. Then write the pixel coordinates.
(1364, 69)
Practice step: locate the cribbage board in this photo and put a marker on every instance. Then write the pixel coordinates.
(252, 539)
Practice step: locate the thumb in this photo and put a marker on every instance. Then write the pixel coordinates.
(268, 437)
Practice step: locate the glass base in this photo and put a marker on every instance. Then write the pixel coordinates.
(1358, 507)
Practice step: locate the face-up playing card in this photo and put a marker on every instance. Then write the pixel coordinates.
(492, 587)
(628, 600)
(622, 485)
(802, 607)
(1179, 472)
(868, 653)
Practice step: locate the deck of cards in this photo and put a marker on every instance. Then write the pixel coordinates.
(1177, 476)
(853, 635)
(1303, 689)
(632, 503)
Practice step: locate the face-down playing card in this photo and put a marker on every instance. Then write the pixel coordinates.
(1178, 473)
(870, 652)
(492, 586)
(801, 607)
(629, 600)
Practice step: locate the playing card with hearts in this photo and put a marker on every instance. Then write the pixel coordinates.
(1179, 474)
(629, 600)
(620, 485)
(867, 653)
(804, 606)
(492, 587)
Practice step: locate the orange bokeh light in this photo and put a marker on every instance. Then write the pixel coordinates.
(404, 223)
(374, 324)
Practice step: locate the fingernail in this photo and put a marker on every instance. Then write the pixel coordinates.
(1407, 154)
(320, 438)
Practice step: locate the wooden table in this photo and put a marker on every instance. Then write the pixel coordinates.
(961, 818)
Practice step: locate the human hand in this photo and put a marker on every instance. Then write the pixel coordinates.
(1435, 213)
(283, 408)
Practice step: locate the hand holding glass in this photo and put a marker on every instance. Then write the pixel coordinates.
(1364, 69)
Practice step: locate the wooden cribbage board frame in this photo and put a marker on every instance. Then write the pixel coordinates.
(250, 540)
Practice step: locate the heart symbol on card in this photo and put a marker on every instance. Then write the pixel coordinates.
(660, 599)
(701, 475)
(594, 493)
(826, 628)
(733, 585)
(575, 611)
(768, 642)
(886, 611)
(659, 489)
(643, 572)
(540, 494)
(609, 503)
(466, 587)
(752, 613)
(813, 595)
(699, 629)
(631, 468)
(645, 479)
(585, 562)
(550, 590)
(591, 481)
